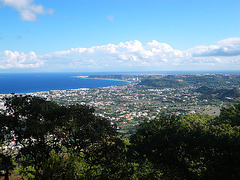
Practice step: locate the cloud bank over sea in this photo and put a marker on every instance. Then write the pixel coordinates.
(129, 56)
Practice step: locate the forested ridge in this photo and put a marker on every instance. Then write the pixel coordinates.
(178, 81)
(43, 140)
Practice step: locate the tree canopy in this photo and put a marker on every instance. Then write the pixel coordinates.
(43, 140)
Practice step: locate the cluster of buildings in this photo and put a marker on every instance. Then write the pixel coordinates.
(127, 105)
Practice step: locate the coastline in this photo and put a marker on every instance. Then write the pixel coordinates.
(25, 88)
(87, 77)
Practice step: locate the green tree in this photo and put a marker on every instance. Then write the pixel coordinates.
(39, 127)
(181, 150)
(31, 123)
(6, 148)
(230, 115)
(112, 158)
(84, 129)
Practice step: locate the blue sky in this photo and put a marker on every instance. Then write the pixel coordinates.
(119, 35)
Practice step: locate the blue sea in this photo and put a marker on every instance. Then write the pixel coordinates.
(35, 82)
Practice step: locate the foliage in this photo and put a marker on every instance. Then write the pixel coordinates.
(181, 148)
(112, 156)
(41, 129)
(164, 83)
(31, 121)
(84, 129)
(6, 151)
(71, 142)
(230, 115)
(196, 119)
(210, 86)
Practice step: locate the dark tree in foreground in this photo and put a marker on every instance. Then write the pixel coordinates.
(179, 150)
(38, 126)
(6, 152)
(84, 129)
(31, 122)
(49, 141)
(230, 115)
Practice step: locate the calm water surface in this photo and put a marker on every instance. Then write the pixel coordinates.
(34, 82)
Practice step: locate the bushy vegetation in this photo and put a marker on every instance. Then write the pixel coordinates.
(43, 140)
(178, 81)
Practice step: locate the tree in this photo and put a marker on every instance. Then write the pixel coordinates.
(112, 159)
(94, 140)
(6, 152)
(181, 150)
(160, 142)
(39, 127)
(31, 122)
(230, 115)
(84, 129)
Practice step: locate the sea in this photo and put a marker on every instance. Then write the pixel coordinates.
(36, 82)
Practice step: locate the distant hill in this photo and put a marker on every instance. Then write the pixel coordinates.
(198, 81)
(164, 83)
(205, 89)
(232, 93)
(222, 94)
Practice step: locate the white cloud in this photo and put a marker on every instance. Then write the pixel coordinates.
(130, 55)
(153, 55)
(27, 9)
(9, 59)
(125, 54)
(226, 47)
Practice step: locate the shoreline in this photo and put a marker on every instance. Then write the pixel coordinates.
(70, 89)
(87, 77)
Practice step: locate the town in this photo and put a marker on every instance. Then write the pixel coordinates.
(128, 105)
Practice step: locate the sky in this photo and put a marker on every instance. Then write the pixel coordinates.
(119, 35)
